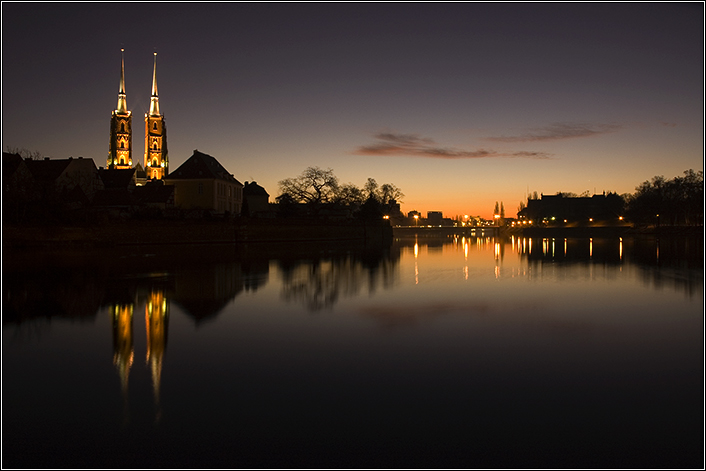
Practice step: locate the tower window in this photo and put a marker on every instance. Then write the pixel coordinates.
(122, 127)
(154, 163)
(155, 145)
(122, 144)
(154, 126)
(122, 161)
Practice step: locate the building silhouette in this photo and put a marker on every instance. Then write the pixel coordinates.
(203, 183)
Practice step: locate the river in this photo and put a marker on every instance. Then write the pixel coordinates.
(440, 352)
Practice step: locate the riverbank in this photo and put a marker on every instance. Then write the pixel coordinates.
(180, 232)
(609, 231)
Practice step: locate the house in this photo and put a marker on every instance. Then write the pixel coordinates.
(74, 181)
(19, 186)
(155, 195)
(203, 183)
(256, 201)
(123, 179)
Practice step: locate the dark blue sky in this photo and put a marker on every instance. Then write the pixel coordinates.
(458, 104)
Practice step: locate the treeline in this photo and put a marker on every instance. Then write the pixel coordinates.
(318, 192)
(678, 201)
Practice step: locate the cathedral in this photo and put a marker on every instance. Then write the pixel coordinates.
(156, 160)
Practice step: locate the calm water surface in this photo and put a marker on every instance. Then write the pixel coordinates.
(435, 352)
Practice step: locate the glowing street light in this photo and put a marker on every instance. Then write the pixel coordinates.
(416, 218)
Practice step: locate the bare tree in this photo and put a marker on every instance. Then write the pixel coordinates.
(25, 153)
(389, 192)
(314, 186)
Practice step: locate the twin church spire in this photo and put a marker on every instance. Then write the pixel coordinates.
(156, 162)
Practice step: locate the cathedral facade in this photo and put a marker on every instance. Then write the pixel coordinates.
(120, 156)
(120, 153)
(156, 157)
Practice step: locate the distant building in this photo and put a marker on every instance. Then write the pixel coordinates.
(561, 209)
(434, 218)
(203, 183)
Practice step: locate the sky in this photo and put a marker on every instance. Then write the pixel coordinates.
(459, 105)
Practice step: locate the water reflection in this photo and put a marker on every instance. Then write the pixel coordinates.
(320, 283)
(481, 339)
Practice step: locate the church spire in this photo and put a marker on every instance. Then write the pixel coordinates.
(122, 100)
(154, 102)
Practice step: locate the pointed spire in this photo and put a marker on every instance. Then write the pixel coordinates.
(122, 100)
(154, 101)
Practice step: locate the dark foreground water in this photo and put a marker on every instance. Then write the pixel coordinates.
(454, 352)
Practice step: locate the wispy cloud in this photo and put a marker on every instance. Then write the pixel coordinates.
(388, 143)
(558, 131)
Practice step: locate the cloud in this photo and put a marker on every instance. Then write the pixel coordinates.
(558, 131)
(414, 145)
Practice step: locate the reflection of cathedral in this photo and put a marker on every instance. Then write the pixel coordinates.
(157, 321)
(123, 343)
(156, 326)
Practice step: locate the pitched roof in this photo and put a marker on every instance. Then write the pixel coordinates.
(154, 194)
(47, 170)
(116, 178)
(200, 166)
(253, 189)
(10, 162)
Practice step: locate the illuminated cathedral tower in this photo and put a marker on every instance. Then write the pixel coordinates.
(120, 154)
(156, 157)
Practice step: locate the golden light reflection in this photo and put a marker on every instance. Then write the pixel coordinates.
(123, 343)
(156, 320)
(621, 248)
(590, 247)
